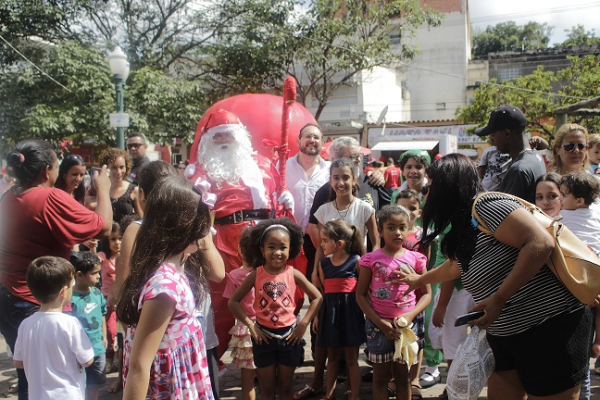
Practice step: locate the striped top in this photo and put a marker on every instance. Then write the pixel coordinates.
(541, 298)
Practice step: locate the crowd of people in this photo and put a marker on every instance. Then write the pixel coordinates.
(157, 270)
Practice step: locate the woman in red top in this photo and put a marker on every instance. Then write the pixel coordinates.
(39, 220)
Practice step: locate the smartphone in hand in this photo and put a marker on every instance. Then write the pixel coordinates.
(463, 319)
(92, 170)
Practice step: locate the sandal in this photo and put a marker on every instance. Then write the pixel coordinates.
(415, 392)
(308, 392)
(14, 388)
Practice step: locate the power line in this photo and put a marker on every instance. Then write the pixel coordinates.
(35, 66)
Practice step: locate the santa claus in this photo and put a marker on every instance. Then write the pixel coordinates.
(245, 187)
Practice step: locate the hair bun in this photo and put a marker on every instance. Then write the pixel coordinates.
(15, 159)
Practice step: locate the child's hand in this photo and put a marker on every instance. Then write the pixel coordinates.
(258, 335)
(298, 333)
(105, 342)
(596, 350)
(315, 326)
(388, 329)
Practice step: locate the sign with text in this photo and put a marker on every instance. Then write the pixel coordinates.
(119, 120)
(424, 133)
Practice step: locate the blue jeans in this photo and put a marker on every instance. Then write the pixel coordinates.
(13, 311)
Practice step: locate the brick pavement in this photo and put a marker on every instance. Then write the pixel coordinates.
(230, 383)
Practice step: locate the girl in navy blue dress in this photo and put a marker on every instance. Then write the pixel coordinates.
(341, 322)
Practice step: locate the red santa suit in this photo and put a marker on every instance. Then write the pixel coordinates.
(237, 206)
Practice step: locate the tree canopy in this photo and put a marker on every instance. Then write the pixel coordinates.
(537, 97)
(508, 36)
(578, 36)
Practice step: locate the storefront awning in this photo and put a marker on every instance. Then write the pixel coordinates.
(406, 145)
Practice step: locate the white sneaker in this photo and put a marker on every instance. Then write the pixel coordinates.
(429, 379)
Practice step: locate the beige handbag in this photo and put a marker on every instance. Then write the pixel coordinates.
(572, 261)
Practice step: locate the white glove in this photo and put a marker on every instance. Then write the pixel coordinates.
(190, 170)
(287, 200)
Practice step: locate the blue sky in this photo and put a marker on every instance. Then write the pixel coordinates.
(558, 13)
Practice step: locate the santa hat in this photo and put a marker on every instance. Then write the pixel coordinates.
(222, 121)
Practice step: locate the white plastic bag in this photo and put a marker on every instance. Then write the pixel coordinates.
(471, 368)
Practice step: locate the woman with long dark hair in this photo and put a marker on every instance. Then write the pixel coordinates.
(39, 220)
(70, 177)
(537, 329)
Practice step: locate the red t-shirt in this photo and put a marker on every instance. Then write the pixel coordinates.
(392, 177)
(40, 222)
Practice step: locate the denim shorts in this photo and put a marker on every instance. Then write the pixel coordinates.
(95, 374)
(380, 348)
(277, 351)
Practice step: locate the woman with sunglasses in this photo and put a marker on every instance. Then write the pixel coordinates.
(570, 150)
(70, 177)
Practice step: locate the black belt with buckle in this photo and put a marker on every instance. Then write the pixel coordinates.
(243, 215)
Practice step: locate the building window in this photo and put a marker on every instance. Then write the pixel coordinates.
(440, 106)
(509, 73)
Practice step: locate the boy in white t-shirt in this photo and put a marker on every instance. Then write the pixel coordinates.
(579, 191)
(51, 346)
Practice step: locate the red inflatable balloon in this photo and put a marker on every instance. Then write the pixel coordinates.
(261, 114)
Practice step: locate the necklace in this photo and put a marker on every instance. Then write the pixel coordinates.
(347, 209)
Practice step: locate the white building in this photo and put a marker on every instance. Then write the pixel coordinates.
(429, 88)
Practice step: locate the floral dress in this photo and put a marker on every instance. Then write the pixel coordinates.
(180, 366)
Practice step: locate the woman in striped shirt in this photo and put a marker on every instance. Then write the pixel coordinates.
(538, 331)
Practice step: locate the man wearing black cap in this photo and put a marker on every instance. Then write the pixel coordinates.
(507, 127)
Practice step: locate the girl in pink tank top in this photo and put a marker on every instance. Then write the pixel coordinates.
(276, 334)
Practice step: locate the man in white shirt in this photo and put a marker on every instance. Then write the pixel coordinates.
(306, 172)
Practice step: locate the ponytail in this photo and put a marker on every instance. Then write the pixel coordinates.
(355, 244)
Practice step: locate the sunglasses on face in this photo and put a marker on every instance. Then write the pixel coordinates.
(134, 145)
(571, 146)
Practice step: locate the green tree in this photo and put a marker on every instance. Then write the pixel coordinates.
(578, 36)
(508, 36)
(34, 106)
(536, 95)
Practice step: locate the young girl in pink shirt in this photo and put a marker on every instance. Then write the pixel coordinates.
(276, 334)
(109, 259)
(388, 307)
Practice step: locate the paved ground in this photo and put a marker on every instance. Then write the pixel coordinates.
(230, 383)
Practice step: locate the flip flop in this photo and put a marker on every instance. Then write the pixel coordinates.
(308, 392)
(14, 388)
(415, 392)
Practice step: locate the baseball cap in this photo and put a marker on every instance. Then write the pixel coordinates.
(505, 117)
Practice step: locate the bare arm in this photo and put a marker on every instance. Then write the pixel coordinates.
(519, 230)
(104, 335)
(373, 232)
(154, 319)
(313, 307)
(238, 311)
(448, 271)
(313, 232)
(19, 364)
(135, 197)
(103, 208)
(440, 310)
(362, 290)
(122, 267)
(316, 281)
(216, 273)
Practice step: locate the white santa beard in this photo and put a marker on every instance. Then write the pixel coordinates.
(225, 162)
(228, 163)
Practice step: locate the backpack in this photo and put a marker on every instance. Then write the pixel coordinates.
(572, 261)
